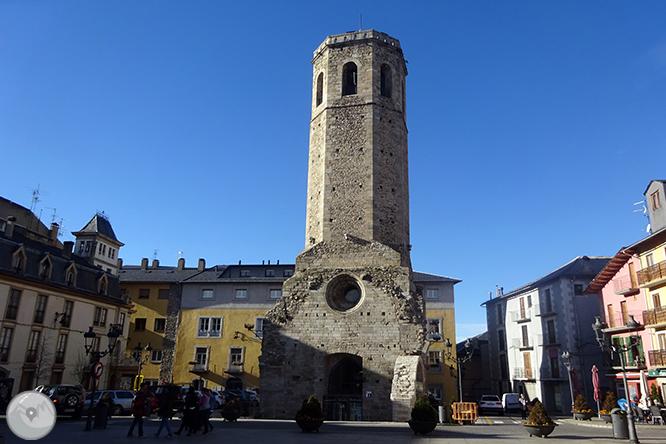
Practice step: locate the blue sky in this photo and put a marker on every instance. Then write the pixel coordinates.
(533, 126)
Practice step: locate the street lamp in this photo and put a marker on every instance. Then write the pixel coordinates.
(140, 360)
(598, 327)
(90, 345)
(469, 350)
(568, 363)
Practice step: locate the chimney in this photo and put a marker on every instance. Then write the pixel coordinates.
(144, 263)
(67, 247)
(202, 264)
(263, 262)
(239, 262)
(156, 263)
(269, 261)
(181, 263)
(120, 263)
(9, 230)
(53, 232)
(278, 262)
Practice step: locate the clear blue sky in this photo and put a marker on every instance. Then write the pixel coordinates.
(534, 126)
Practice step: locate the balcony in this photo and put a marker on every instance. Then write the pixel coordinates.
(617, 324)
(625, 286)
(655, 316)
(544, 310)
(522, 344)
(198, 367)
(652, 276)
(657, 358)
(235, 368)
(521, 315)
(523, 373)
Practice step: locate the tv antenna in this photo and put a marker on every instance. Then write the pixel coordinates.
(180, 254)
(155, 254)
(35, 198)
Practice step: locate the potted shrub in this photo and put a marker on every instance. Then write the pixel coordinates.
(539, 423)
(232, 409)
(310, 417)
(610, 402)
(424, 416)
(654, 394)
(582, 410)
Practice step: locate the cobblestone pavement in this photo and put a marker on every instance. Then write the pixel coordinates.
(495, 428)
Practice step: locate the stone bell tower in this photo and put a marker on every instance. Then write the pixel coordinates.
(350, 326)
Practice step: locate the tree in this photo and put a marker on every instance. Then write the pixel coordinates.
(43, 362)
(81, 369)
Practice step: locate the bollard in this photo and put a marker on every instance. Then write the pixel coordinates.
(442, 414)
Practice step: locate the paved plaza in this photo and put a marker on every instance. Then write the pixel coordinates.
(506, 428)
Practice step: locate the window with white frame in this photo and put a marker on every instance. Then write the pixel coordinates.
(201, 356)
(209, 326)
(258, 328)
(241, 293)
(435, 328)
(432, 293)
(207, 293)
(435, 360)
(435, 391)
(274, 293)
(236, 355)
(156, 356)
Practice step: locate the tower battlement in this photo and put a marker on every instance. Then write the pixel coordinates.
(351, 36)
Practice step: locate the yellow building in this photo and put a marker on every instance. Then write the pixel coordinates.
(438, 296)
(221, 326)
(151, 289)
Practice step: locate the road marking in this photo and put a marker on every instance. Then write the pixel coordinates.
(498, 422)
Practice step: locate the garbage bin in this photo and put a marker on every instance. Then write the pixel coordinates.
(620, 424)
(101, 415)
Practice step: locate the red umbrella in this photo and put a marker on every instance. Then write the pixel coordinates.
(595, 383)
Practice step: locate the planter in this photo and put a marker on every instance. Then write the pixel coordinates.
(422, 427)
(583, 416)
(230, 416)
(309, 425)
(539, 430)
(606, 417)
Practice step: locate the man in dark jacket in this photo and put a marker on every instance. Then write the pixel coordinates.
(190, 414)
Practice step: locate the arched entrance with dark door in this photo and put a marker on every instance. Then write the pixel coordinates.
(343, 400)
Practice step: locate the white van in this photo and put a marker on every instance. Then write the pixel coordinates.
(511, 402)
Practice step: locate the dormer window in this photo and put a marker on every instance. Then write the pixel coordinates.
(70, 277)
(18, 260)
(103, 284)
(349, 79)
(45, 268)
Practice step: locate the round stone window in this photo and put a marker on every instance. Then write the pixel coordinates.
(343, 293)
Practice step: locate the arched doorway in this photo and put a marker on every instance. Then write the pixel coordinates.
(344, 398)
(234, 383)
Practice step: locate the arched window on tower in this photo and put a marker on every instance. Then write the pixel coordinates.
(320, 88)
(349, 79)
(386, 81)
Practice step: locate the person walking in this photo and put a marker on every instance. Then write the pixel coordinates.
(190, 414)
(165, 412)
(523, 405)
(204, 410)
(139, 409)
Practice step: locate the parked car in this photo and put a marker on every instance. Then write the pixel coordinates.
(122, 401)
(217, 399)
(491, 403)
(229, 394)
(511, 402)
(177, 393)
(251, 396)
(67, 399)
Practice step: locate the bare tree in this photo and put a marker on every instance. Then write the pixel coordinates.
(43, 362)
(81, 368)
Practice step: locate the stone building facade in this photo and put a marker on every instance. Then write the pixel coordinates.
(350, 326)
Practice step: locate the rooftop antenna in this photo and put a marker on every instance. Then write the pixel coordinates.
(360, 22)
(35, 198)
(155, 254)
(180, 254)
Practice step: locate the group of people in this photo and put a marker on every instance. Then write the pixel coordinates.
(195, 415)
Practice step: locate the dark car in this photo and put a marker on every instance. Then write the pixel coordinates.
(67, 399)
(177, 395)
(230, 394)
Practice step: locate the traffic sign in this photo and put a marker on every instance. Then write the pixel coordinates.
(96, 369)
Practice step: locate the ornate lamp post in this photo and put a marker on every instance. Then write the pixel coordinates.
(96, 355)
(140, 360)
(598, 326)
(469, 351)
(567, 361)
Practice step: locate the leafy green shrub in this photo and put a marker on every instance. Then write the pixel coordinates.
(423, 410)
(538, 415)
(310, 410)
(654, 394)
